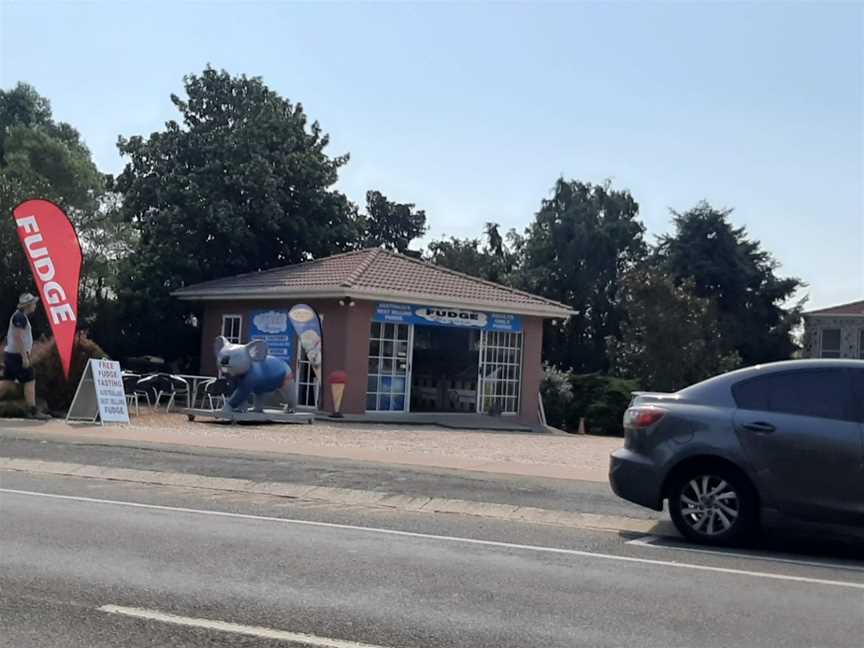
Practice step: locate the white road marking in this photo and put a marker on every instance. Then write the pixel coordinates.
(659, 542)
(442, 538)
(235, 628)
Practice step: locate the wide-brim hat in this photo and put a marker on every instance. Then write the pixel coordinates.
(26, 299)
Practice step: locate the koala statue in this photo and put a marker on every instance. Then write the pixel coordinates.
(254, 372)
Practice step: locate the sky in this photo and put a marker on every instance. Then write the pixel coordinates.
(473, 110)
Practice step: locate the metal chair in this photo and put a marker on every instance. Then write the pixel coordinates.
(178, 387)
(216, 391)
(148, 388)
(162, 385)
(130, 388)
(130, 383)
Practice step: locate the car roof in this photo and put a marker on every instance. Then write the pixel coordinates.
(717, 389)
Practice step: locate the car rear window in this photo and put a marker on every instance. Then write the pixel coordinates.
(822, 393)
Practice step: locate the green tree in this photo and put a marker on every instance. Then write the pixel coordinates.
(391, 225)
(494, 242)
(243, 183)
(42, 158)
(583, 239)
(462, 255)
(670, 338)
(724, 265)
(493, 258)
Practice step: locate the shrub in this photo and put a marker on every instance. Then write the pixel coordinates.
(51, 386)
(602, 401)
(557, 395)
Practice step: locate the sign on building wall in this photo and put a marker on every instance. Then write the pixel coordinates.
(273, 327)
(441, 316)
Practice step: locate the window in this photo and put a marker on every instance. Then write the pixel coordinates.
(830, 343)
(231, 327)
(861, 344)
(500, 372)
(821, 393)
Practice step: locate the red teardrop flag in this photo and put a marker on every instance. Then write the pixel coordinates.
(52, 249)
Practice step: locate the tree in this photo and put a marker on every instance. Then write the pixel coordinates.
(391, 225)
(583, 239)
(462, 255)
(724, 265)
(496, 259)
(46, 159)
(494, 242)
(243, 183)
(670, 338)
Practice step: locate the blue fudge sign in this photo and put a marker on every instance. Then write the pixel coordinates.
(442, 316)
(273, 327)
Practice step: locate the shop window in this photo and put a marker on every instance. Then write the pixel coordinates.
(831, 343)
(500, 372)
(231, 327)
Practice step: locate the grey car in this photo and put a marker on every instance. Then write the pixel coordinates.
(785, 438)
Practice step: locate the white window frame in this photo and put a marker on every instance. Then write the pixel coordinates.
(307, 379)
(838, 350)
(233, 317)
(493, 355)
(394, 339)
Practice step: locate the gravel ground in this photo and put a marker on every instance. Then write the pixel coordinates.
(572, 451)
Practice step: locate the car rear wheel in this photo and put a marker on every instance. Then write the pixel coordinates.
(713, 505)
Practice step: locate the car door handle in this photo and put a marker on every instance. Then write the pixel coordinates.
(760, 427)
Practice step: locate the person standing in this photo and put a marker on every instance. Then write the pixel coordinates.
(19, 344)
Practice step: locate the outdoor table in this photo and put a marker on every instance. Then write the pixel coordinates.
(195, 383)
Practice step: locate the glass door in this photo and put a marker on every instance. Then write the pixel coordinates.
(307, 382)
(500, 372)
(389, 381)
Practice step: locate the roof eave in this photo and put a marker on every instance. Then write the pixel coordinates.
(549, 311)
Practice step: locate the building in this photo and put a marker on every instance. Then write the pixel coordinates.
(411, 336)
(835, 332)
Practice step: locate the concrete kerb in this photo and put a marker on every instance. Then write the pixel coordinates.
(344, 496)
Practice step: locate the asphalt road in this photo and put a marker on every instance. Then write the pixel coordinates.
(114, 564)
(555, 494)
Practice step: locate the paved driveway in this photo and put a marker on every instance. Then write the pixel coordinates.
(568, 457)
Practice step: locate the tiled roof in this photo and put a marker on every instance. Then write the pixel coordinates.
(852, 308)
(375, 274)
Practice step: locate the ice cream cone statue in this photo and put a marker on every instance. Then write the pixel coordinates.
(337, 389)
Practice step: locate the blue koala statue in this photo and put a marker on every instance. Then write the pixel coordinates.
(254, 373)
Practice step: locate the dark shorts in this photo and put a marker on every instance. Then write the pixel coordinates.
(15, 368)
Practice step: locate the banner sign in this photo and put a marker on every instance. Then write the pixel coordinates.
(273, 327)
(308, 328)
(100, 394)
(54, 254)
(442, 316)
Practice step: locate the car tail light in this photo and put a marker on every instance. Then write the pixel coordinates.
(642, 417)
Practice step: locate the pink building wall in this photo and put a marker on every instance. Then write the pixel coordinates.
(346, 347)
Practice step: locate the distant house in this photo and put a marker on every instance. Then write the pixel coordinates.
(835, 332)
